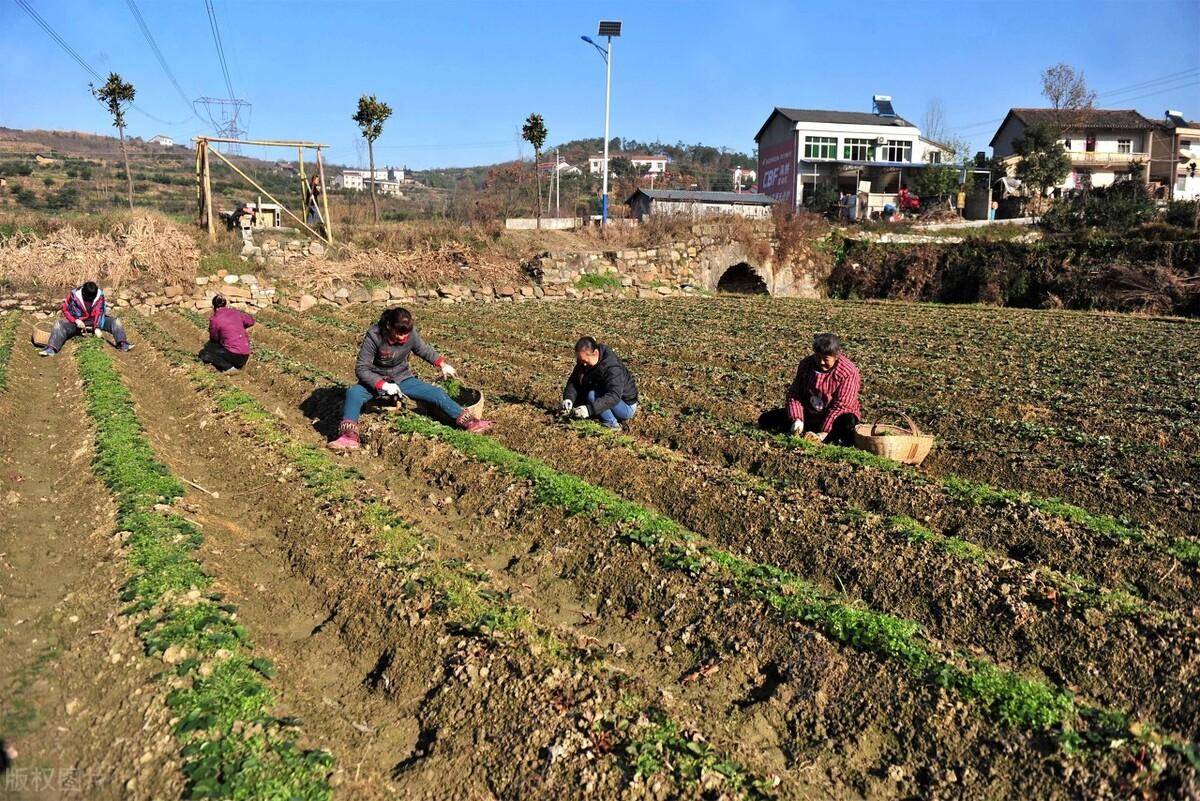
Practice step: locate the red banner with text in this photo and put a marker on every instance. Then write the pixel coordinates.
(777, 171)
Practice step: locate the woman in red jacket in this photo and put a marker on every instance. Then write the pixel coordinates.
(228, 345)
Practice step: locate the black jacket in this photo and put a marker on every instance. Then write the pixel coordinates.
(610, 379)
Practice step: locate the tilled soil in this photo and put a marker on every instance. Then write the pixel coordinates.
(274, 382)
(79, 701)
(412, 701)
(1145, 662)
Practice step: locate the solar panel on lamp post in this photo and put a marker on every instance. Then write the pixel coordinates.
(609, 29)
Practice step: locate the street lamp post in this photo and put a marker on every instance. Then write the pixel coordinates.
(608, 29)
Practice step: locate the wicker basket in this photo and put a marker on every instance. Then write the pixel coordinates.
(906, 445)
(41, 337)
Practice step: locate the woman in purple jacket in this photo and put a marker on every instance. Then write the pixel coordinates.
(383, 371)
(228, 346)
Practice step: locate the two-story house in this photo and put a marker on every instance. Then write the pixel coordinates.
(645, 165)
(1175, 159)
(1104, 145)
(876, 152)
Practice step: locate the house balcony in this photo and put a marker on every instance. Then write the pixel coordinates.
(1083, 158)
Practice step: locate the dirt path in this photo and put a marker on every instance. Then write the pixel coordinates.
(78, 700)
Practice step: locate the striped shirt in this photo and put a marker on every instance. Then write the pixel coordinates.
(820, 398)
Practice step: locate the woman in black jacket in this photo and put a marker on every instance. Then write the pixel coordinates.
(600, 386)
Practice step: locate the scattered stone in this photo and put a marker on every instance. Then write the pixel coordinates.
(230, 279)
(306, 302)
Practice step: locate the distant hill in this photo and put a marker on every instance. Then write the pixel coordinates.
(84, 172)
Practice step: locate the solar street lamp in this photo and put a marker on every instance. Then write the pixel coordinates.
(608, 29)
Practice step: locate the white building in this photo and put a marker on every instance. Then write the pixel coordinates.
(645, 165)
(848, 151)
(162, 140)
(742, 175)
(359, 180)
(1175, 156)
(1104, 144)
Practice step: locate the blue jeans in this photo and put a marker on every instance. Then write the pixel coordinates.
(616, 415)
(64, 329)
(358, 395)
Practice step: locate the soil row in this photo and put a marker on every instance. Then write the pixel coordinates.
(1115, 478)
(298, 387)
(1020, 530)
(1009, 614)
(497, 703)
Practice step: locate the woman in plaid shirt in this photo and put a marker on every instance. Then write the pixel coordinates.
(822, 401)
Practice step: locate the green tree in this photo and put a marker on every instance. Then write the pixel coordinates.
(116, 95)
(534, 132)
(1044, 161)
(370, 117)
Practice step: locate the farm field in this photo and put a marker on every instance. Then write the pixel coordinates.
(690, 608)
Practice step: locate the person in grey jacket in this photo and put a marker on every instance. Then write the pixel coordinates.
(382, 371)
(600, 386)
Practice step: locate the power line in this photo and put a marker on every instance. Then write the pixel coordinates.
(162, 62)
(1188, 75)
(216, 33)
(88, 68)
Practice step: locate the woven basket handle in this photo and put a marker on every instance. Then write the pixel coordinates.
(916, 432)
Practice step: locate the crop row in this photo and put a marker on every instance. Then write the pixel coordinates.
(8, 334)
(232, 747)
(700, 432)
(1040, 617)
(1012, 698)
(467, 599)
(1133, 457)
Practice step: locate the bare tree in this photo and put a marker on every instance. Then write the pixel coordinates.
(370, 117)
(1068, 93)
(933, 124)
(115, 95)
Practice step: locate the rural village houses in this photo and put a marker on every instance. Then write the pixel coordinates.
(1110, 145)
(851, 151)
(388, 180)
(645, 165)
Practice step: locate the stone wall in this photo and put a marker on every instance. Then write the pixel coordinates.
(694, 264)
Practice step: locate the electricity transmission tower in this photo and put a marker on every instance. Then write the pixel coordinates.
(229, 117)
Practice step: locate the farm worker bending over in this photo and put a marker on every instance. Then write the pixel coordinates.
(228, 346)
(85, 312)
(383, 371)
(600, 386)
(822, 402)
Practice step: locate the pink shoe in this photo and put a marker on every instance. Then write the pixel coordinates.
(473, 424)
(348, 437)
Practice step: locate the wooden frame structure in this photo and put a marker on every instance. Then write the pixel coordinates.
(204, 181)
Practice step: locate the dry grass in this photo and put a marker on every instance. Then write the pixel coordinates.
(142, 248)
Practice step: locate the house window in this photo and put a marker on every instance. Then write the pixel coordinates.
(1067, 145)
(857, 149)
(934, 156)
(1124, 145)
(1090, 144)
(897, 150)
(820, 147)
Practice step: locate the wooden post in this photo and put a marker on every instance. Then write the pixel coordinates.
(303, 182)
(199, 188)
(270, 197)
(324, 197)
(208, 209)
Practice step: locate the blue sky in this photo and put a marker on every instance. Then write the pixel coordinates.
(461, 76)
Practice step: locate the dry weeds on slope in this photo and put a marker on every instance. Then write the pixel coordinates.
(146, 248)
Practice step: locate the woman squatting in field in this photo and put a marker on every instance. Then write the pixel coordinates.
(228, 346)
(600, 386)
(822, 400)
(383, 372)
